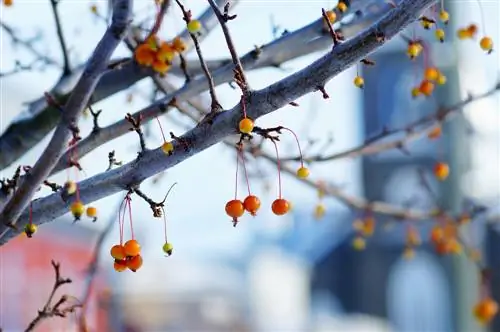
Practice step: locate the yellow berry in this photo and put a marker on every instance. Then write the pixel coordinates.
(30, 229)
(414, 50)
(359, 243)
(342, 7)
(440, 35)
(441, 79)
(415, 92)
(359, 82)
(426, 24)
(77, 209)
(319, 211)
(486, 44)
(441, 170)
(167, 147)
(303, 172)
(444, 16)
(168, 248)
(92, 212)
(70, 187)
(194, 26)
(246, 126)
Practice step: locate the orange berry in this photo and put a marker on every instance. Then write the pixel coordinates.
(166, 52)
(160, 66)
(144, 55)
(437, 234)
(441, 170)
(426, 88)
(8, 3)
(368, 226)
(434, 133)
(342, 7)
(120, 265)
(235, 208)
(431, 73)
(485, 310)
(463, 34)
(132, 248)
(280, 206)
(331, 16)
(486, 44)
(134, 263)
(178, 45)
(246, 126)
(118, 252)
(252, 204)
(472, 30)
(92, 212)
(167, 148)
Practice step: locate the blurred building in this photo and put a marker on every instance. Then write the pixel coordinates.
(27, 278)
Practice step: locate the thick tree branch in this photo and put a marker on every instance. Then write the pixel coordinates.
(261, 103)
(76, 104)
(40, 118)
(272, 54)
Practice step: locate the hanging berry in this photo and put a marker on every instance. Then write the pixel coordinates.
(118, 252)
(134, 263)
(92, 213)
(441, 171)
(194, 26)
(77, 209)
(132, 248)
(168, 248)
(279, 206)
(120, 265)
(251, 204)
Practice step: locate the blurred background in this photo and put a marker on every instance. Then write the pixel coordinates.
(292, 273)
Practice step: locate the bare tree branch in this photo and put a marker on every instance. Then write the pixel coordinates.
(261, 103)
(272, 54)
(76, 104)
(40, 118)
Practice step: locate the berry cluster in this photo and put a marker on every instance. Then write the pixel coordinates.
(364, 227)
(235, 208)
(158, 54)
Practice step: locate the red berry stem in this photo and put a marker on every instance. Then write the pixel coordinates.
(130, 217)
(236, 179)
(161, 130)
(31, 214)
(427, 59)
(279, 168)
(164, 223)
(298, 144)
(121, 219)
(242, 156)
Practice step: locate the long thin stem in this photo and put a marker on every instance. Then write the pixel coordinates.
(130, 217)
(278, 163)
(236, 180)
(242, 156)
(298, 145)
(161, 129)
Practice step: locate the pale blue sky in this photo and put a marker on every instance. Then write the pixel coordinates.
(197, 222)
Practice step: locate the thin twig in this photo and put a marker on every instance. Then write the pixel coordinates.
(216, 107)
(240, 76)
(50, 310)
(60, 36)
